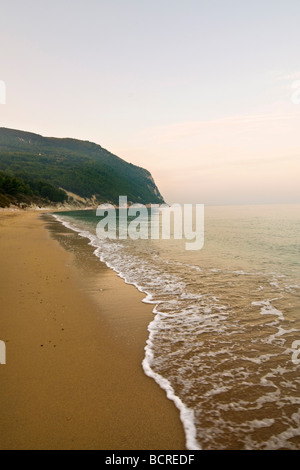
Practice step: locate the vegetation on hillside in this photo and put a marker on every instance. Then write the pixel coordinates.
(16, 191)
(83, 168)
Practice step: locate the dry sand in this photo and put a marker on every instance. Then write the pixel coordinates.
(75, 343)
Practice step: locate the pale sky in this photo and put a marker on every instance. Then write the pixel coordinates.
(205, 94)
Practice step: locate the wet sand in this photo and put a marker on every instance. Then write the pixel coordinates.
(75, 336)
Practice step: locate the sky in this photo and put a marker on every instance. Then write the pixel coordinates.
(205, 94)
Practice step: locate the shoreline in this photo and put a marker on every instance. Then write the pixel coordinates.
(186, 414)
(73, 378)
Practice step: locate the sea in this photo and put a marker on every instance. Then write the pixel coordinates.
(225, 334)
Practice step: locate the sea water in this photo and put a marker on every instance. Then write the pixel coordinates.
(226, 318)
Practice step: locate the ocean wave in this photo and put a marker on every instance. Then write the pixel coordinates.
(209, 348)
(186, 414)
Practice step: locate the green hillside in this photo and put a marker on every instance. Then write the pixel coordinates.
(17, 190)
(80, 167)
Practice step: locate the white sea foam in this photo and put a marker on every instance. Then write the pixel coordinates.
(282, 440)
(198, 337)
(292, 288)
(268, 309)
(241, 273)
(259, 360)
(261, 423)
(186, 414)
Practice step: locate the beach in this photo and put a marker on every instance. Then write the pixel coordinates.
(73, 378)
(222, 339)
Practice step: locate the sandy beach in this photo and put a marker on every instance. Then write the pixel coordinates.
(75, 344)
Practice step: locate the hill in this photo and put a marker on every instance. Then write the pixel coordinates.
(18, 191)
(79, 167)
